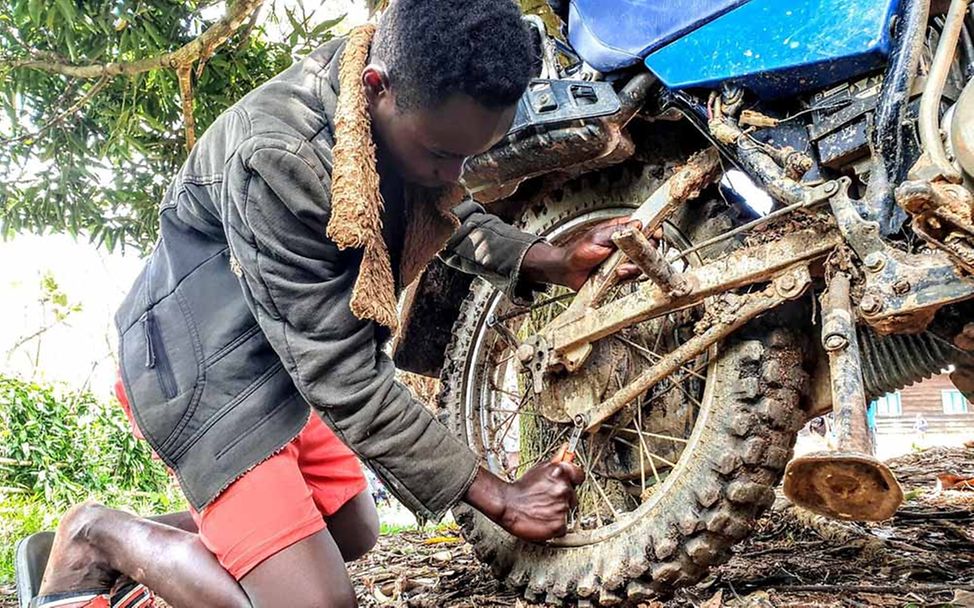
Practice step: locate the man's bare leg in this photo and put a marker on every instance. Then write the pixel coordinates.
(95, 545)
(355, 527)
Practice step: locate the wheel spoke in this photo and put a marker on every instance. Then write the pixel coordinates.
(503, 361)
(543, 454)
(643, 446)
(521, 311)
(649, 434)
(598, 488)
(642, 464)
(651, 355)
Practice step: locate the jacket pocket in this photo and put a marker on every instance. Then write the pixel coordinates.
(156, 356)
(161, 359)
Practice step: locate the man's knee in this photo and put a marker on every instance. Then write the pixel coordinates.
(355, 527)
(362, 541)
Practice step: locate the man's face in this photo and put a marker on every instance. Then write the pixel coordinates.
(428, 146)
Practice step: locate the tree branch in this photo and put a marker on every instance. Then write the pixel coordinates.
(95, 88)
(185, 73)
(199, 48)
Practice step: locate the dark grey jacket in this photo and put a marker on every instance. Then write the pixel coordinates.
(241, 316)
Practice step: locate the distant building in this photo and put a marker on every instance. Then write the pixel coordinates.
(948, 418)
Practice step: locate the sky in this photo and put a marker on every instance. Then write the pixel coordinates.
(80, 351)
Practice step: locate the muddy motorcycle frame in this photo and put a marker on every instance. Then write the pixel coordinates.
(843, 244)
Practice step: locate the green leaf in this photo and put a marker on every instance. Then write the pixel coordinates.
(297, 25)
(34, 9)
(67, 9)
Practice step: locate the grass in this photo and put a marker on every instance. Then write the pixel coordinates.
(441, 528)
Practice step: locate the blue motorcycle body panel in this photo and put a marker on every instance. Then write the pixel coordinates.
(614, 34)
(779, 48)
(775, 48)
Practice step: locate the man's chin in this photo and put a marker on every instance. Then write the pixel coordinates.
(428, 182)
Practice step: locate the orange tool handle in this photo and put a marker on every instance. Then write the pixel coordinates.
(564, 455)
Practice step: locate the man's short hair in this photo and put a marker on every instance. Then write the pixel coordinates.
(435, 49)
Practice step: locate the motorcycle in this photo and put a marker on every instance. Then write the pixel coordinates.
(802, 170)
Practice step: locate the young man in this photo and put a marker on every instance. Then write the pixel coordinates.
(250, 344)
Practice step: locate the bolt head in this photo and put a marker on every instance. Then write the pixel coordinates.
(901, 287)
(875, 261)
(870, 304)
(525, 353)
(835, 342)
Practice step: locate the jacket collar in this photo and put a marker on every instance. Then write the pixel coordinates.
(356, 200)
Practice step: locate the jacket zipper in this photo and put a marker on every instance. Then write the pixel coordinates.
(156, 357)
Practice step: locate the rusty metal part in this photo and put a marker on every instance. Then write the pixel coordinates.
(942, 216)
(814, 196)
(745, 266)
(634, 244)
(933, 282)
(700, 170)
(734, 312)
(534, 354)
(934, 164)
(903, 291)
(850, 483)
(962, 130)
(887, 134)
(568, 394)
(965, 339)
(768, 163)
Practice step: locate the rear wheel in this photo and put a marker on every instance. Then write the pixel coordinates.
(672, 481)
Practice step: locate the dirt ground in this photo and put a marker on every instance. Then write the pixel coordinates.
(922, 557)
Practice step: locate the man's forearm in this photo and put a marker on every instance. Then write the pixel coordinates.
(487, 495)
(544, 263)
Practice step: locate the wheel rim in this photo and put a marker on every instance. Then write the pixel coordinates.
(495, 414)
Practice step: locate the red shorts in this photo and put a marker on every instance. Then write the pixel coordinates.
(280, 501)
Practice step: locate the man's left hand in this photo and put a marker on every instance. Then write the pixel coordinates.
(572, 264)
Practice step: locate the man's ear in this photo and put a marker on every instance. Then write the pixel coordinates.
(375, 79)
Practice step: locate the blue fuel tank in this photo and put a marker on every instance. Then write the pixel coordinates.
(775, 48)
(781, 48)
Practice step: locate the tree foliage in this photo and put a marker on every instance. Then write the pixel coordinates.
(63, 447)
(93, 118)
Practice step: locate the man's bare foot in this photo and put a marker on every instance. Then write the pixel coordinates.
(76, 564)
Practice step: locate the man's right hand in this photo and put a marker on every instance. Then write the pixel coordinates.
(535, 507)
